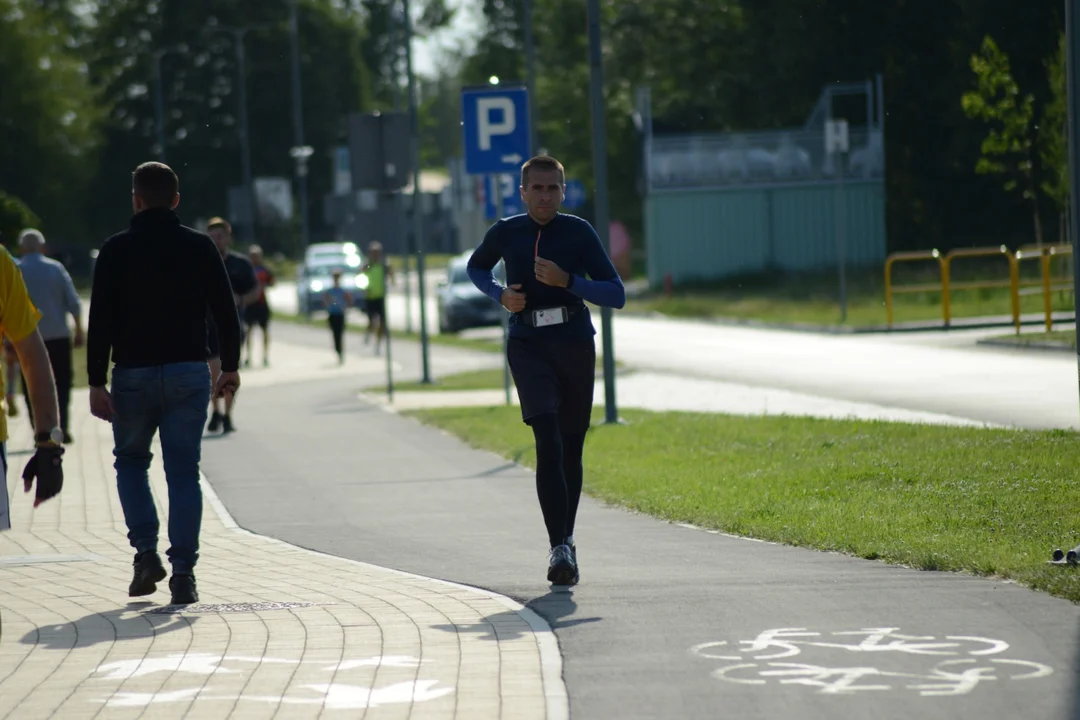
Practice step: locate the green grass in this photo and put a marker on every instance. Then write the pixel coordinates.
(1063, 338)
(489, 379)
(434, 338)
(989, 502)
(814, 299)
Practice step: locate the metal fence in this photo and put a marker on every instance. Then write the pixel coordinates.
(770, 157)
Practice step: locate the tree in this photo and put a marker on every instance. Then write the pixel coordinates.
(48, 119)
(1053, 134)
(1008, 148)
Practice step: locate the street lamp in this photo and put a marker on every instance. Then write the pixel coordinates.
(300, 154)
(159, 95)
(238, 34)
(300, 151)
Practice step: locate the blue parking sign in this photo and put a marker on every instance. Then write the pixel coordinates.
(501, 197)
(495, 122)
(574, 197)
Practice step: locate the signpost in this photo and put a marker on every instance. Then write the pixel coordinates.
(1072, 65)
(836, 144)
(601, 212)
(497, 125)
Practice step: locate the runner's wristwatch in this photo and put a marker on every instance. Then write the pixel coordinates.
(52, 437)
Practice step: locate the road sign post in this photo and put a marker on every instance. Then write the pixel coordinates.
(836, 144)
(601, 212)
(497, 129)
(1072, 68)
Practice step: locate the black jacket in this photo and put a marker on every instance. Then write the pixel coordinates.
(152, 286)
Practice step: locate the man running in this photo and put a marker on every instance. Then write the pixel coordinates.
(337, 301)
(258, 312)
(551, 348)
(245, 290)
(378, 271)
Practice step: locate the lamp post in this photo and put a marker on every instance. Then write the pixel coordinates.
(159, 96)
(238, 34)
(300, 151)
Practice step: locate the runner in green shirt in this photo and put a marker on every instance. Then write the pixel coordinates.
(378, 272)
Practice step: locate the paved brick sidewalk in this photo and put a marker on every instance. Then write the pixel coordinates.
(280, 632)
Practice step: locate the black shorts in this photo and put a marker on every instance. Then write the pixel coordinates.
(375, 306)
(257, 314)
(554, 377)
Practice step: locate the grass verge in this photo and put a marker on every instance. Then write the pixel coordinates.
(1065, 339)
(813, 299)
(489, 379)
(988, 502)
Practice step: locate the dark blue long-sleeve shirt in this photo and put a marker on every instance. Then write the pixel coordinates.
(569, 242)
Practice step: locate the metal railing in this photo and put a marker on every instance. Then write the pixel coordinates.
(1047, 282)
(913, 256)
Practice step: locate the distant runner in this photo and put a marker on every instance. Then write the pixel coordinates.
(378, 271)
(258, 312)
(337, 301)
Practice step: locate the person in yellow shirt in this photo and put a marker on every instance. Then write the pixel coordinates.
(18, 323)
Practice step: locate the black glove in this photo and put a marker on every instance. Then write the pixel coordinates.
(46, 466)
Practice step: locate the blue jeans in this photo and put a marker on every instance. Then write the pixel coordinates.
(171, 399)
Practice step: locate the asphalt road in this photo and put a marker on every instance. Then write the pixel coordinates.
(932, 371)
(669, 622)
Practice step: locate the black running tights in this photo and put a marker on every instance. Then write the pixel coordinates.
(558, 475)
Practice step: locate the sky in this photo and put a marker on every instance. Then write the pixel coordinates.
(465, 27)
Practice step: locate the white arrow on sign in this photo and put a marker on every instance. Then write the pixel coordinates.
(515, 158)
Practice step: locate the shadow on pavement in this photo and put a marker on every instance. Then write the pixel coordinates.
(558, 604)
(115, 626)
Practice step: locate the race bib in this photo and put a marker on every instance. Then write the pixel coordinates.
(550, 316)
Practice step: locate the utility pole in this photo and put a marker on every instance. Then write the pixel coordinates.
(159, 96)
(299, 151)
(418, 220)
(530, 74)
(601, 212)
(1072, 65)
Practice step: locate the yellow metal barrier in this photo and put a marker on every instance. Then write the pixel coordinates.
(1012, 283)
(1047, 282)
(911, 257)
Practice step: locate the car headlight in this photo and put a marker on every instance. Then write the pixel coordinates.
(316, 285)
(362, 282)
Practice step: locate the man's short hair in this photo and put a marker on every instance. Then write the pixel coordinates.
(31, 237)
(254, 250)
(219, 222)
(541, 162)
(155, 183)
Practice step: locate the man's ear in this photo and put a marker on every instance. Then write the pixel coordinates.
(175, 201)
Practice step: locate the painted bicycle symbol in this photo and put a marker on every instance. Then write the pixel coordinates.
(960, 662)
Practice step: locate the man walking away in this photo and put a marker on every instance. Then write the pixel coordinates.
(337, 300)
(551, 349)
(53, 293)
(152, 287)
(245, 288)
(18, 322)
(377, 271)
(258, 312)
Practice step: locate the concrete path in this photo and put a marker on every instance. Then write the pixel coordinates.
(281, 631)
(669, 621)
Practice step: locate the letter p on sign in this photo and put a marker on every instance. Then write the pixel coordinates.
(488, 129)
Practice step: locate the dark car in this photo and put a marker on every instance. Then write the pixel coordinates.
(461, 305)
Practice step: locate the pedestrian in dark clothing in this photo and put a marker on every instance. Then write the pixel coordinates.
(551, 349)
(152, 286)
